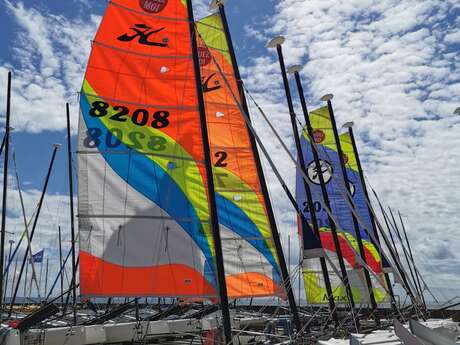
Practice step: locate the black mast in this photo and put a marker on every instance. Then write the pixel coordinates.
(394, 252)
(412, 259)
(374, 228)
(295, 70)
(60, 265)
(395, 227)
(40, 203)
(11, 242)
(5, 186)
(265, 193)
(276, 43)
(353, 217)
(210, 184)
(72, 222)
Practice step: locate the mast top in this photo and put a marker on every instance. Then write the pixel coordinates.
(275, 42)
(57, 146)
(294, 69)
(348, 124)
(215, 4)
(457, 111)
(327, 97)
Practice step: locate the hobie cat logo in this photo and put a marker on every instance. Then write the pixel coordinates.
(153, 6)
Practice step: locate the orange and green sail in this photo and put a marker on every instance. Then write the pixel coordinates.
(250, 258)
(144, 215)
(143, 205)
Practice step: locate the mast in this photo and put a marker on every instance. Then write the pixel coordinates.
(46, 274)
(72, 222)
(295, 70)
(39, 278)
(265, 193)
(328, 98)
(40, 203)
(276, 43)
(210, 184)
(60, 265)
(3, 144)
(406, 257)
(366, 194)
(412, 259)
(394, 252)
(11, 242)
(5, 186)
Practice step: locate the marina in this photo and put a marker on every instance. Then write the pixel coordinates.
(174, 235)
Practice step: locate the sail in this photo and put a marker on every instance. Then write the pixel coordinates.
(329, 159)
(250, 260)
(143, 206)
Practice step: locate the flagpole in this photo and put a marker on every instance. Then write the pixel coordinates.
(222, 287)
(5, 186)
(349, 125)
(270, 213)
(40, 203)
(328, 99)
(295, 70)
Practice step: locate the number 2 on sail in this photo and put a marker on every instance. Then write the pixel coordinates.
(140, 117)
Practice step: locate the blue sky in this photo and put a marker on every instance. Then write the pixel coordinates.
(392, 65)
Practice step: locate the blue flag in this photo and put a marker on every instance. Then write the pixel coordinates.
(38, 257)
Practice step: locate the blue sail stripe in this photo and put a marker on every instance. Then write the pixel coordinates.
(142, 169)
(233, 218)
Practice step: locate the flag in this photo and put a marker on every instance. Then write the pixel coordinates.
(38, 257)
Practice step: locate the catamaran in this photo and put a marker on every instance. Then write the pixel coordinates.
(173, 203)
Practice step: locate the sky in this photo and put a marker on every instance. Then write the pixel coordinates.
(392, 65)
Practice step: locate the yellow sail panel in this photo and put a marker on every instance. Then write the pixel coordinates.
(251, 264)
(143, 205)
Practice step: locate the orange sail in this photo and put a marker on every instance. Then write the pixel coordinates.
(250, 259)
(143, 206)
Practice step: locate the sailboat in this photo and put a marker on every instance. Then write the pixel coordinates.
(173, 202)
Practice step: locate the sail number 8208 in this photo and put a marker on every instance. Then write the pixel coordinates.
(139, 117)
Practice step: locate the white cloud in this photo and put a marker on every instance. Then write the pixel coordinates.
(392, 73)
(50, 52)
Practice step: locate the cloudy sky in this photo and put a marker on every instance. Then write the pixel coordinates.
(392, 65)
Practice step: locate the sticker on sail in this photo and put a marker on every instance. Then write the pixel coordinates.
(153, 6)
(318, 136)
(326, 169)
(204, 55)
